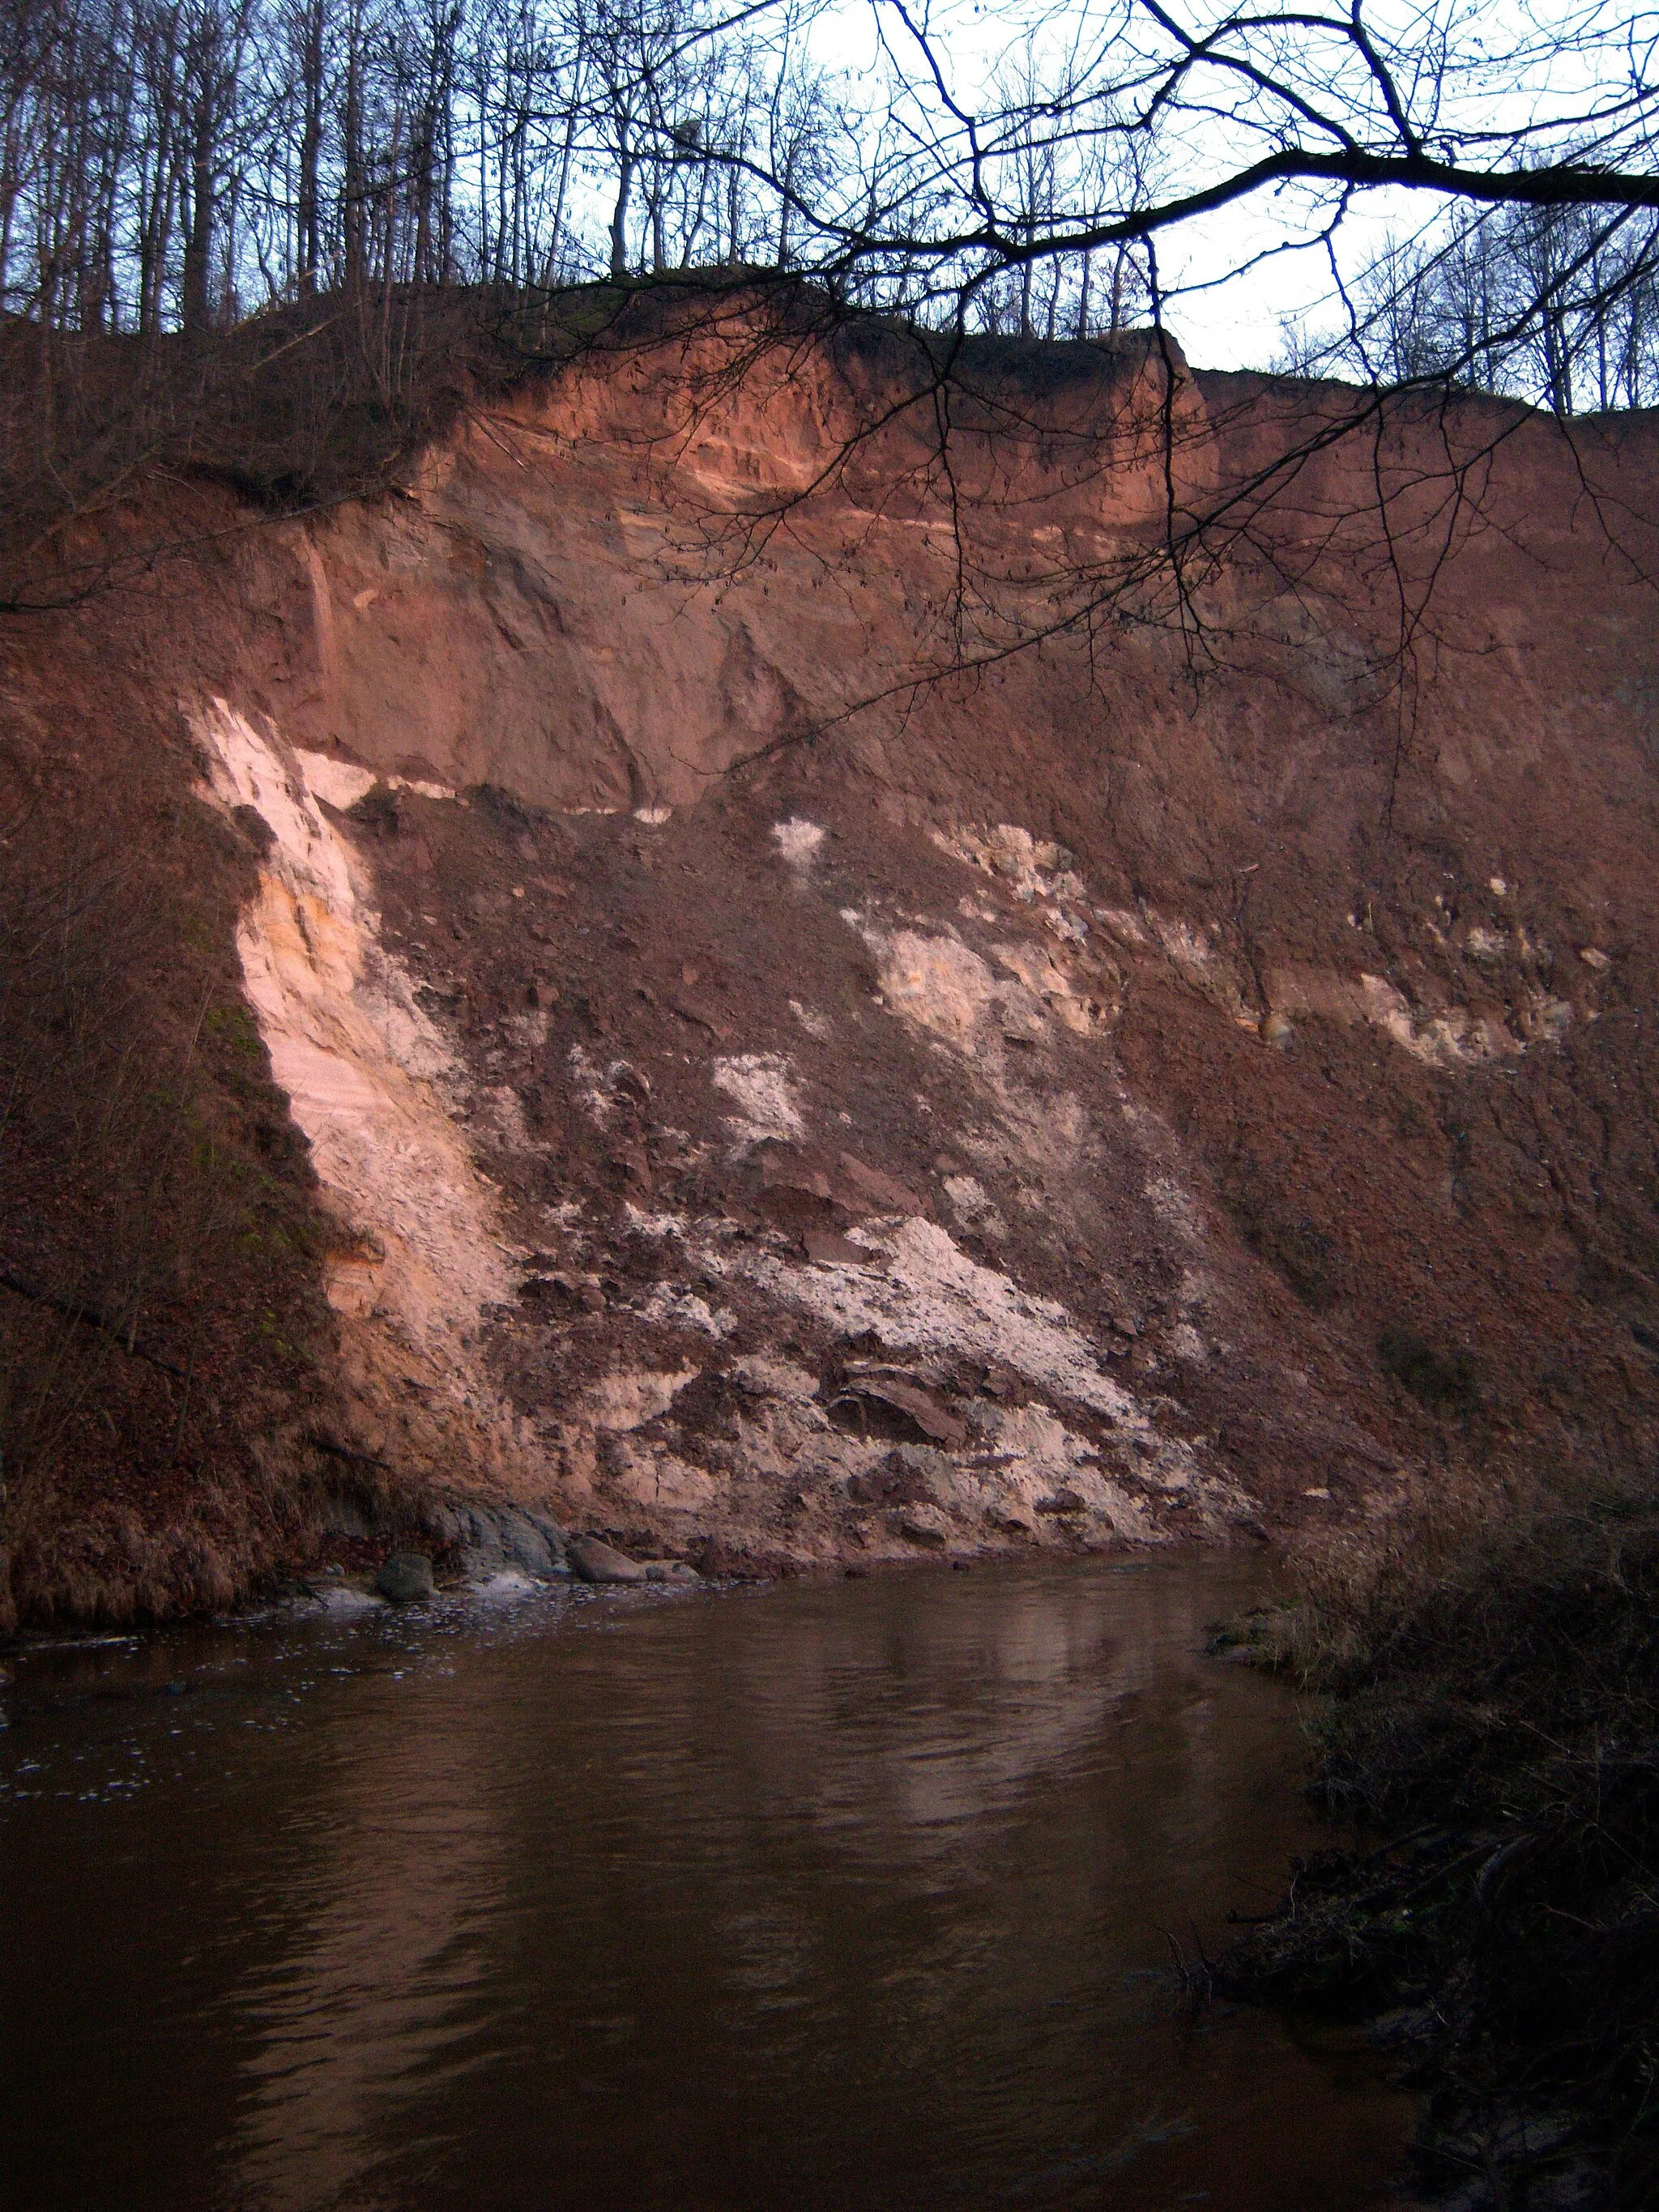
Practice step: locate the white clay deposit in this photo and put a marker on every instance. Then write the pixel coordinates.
(363, 1066)
(761, 1086)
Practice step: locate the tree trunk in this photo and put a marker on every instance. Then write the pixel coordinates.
(783, 210)
(619, 215)
(309, 211)
(198, 237)
(354, 212)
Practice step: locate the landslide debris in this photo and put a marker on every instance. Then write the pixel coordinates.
(1173, 1101)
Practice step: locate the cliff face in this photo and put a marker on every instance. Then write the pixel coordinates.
(1186, 1075)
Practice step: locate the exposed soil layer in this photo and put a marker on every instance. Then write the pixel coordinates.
(1156, 1086)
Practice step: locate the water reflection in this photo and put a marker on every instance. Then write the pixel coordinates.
(390, 1891)
(854, 1896)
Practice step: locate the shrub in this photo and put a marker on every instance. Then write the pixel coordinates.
(1493, 1718)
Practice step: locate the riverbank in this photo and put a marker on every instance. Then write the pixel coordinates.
(1493, 1718)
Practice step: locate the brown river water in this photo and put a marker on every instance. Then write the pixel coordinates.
(840, 1897)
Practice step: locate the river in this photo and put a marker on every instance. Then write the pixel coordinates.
(837, 1897)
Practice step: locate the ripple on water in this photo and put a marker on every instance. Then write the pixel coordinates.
(858, 1895)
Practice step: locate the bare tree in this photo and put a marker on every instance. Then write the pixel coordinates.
(166, 169)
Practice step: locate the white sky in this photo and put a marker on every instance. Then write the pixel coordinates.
(1234, 325)
(1225, 318)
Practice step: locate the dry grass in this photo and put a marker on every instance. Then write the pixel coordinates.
(163, 1342)
(1493, 1716)
(294, 409)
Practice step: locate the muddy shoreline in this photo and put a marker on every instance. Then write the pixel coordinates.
(1491, 1722)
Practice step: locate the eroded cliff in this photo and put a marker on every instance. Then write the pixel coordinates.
(1181, 1077)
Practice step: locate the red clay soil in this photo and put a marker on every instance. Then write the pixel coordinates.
(1265, 1135)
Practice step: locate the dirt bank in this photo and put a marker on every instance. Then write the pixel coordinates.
(1491, 1720)
(1152, 1088)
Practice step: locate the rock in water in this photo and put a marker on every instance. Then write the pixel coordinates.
(405, 1578)
(602, 1563)
(523, 1543)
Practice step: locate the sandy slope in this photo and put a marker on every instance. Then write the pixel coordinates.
(1012, 1113)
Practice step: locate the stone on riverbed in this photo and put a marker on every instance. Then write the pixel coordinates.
(532, 1542)
(596, 1562)
(491, 1537)
(405, 1578)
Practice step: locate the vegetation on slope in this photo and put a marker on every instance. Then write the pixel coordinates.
(1494, 1714)
(294, 409)
(162, 1336)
